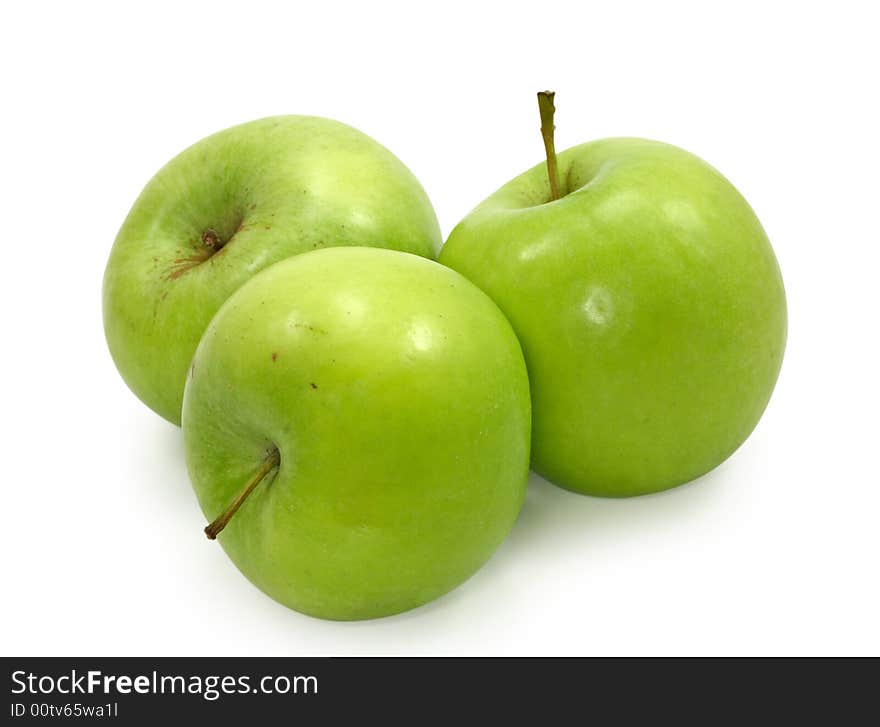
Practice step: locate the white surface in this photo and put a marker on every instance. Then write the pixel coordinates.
(775, 552)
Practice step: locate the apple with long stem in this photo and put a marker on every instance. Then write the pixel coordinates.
(648, 302)
(356, 427)
(231, 205)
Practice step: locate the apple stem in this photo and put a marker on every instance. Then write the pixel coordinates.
(547, 109)
(273, 458)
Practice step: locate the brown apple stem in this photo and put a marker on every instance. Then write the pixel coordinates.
(547, 109)
(268, 464)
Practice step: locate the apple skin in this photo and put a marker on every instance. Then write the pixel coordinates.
(270, 189)
(649, 305)
(397, 396)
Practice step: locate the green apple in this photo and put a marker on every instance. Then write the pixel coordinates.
(357, 423)
(231, 205)
(649, 305)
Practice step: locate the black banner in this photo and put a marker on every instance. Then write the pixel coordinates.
(396, 690)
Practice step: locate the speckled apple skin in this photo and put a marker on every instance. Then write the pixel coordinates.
(397, 396)
(269, 189)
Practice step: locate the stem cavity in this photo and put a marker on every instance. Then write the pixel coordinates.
(547, 109)
(272, 460)
(212, 240)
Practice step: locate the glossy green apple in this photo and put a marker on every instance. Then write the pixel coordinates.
(649, 305)
(385, 398)
(231, 205)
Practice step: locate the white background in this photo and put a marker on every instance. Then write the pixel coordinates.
(776, 552)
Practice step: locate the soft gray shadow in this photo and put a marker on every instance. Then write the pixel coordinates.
(551, 513)
(159, 451)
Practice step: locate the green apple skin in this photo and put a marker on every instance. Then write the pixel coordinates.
(649, 305)
(269, 189)
(396, 394)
